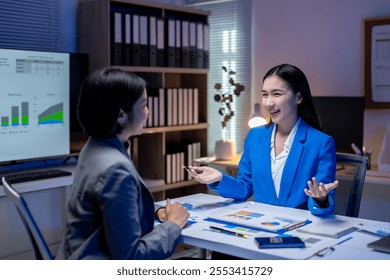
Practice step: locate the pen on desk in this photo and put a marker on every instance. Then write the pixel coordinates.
(342, 241)
(294, 226)
(222, 230)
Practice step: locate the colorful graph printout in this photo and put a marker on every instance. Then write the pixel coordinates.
(252, 219)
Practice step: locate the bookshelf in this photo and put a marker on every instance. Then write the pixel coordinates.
(149, 150)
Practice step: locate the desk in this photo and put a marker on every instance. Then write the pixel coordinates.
(375, 203)
(199, 235)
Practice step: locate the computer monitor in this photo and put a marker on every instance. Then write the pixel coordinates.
(342, 117)
(34, 107)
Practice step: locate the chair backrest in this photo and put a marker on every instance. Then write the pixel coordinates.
(351, 183)
(41, 249)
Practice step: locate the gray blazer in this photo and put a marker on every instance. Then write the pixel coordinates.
(110, 212)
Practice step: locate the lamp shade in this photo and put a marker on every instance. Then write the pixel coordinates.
(256, 119)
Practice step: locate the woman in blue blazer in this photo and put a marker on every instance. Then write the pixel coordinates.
(111, 213)
(288, 162)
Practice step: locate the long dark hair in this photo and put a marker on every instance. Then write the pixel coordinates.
(298, 83)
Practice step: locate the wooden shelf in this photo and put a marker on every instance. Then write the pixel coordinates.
(175, 128)
(150, 149)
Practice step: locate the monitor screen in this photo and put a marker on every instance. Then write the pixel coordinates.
(34, 107)
(342, 117)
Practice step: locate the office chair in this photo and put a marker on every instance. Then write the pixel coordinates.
(349, 192)
(41, 249)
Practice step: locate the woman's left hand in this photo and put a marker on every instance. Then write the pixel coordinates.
(319, 191)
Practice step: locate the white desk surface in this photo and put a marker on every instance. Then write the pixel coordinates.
(198, 234)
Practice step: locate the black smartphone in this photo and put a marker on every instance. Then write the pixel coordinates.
(279, 242)
(186, 167)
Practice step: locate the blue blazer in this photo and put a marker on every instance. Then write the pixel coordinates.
(312, 154)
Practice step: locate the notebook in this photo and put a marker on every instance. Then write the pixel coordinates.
(329, 228)
(382, 244)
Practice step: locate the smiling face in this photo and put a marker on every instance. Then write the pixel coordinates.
(280, 101)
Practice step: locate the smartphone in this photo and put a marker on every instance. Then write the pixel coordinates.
(279, 242)
(186, 167)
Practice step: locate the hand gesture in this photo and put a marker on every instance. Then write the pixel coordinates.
(320, 191)
(205, 174)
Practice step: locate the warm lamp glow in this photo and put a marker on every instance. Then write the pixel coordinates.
(256, 119)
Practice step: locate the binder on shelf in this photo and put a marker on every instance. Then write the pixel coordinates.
(151, 111)
(185, 44)
(182, 170)
(190, 106)
(127, 52)
(161, 102)
(185, 106)
(196, 106)
(168, 168)
(155, 111)
(199, 45)
(136, 42)
(169, 106)
(144, 42)
(189, 158)
(117, 42)
(178, 43)
(180, 106)
(193, 45)
(171, 57)
(206, 46)
(174, 107)
(152, 41)
(173, 168)
(160, 42)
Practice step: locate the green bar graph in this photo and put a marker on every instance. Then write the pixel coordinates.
(4, 121)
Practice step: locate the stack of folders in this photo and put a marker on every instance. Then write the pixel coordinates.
(147, 38)
(173, 106)
(179, 154)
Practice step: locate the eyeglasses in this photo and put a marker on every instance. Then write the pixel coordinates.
(323, 252)
(327, 250)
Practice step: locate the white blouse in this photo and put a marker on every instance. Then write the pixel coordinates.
(278, 162)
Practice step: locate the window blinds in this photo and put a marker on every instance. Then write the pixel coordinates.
(230, 46)
(30, 24)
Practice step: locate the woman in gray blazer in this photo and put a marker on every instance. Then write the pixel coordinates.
(111, 213)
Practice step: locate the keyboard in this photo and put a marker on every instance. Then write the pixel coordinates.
(35, 175)
(378, 173)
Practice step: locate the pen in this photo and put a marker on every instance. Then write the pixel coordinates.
(342, 241)
(222, 230)
(294, 226)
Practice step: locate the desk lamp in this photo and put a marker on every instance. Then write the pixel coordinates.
(256, 119)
